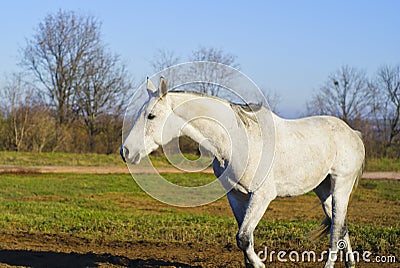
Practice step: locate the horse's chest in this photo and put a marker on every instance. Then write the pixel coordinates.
(229, 178)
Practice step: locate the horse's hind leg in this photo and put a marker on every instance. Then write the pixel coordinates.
(324, 193)
(341, 190)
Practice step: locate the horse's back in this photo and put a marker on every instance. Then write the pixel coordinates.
(309, 149)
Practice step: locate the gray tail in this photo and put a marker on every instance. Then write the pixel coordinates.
(321, 231)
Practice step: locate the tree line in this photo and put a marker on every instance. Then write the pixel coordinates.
(72, 91)
(369, 104)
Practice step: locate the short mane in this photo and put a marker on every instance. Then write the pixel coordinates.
(244, 111)
(247, 107)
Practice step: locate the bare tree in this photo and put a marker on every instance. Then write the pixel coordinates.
(343, 95)
(384, 93)
(57, 54)
(110, 138)
(103, 89)
(217, 75)
(273, 99)
(81, 78)
(214, 55)
(17, 98)
(163, 59)
(42, 131)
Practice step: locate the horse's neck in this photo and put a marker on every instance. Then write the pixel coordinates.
(210, 122)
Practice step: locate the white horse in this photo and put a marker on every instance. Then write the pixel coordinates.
(318, 153)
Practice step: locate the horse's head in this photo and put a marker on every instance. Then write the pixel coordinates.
(155, 125)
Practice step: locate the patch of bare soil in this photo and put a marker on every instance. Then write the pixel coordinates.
(30, 250)
(381, 175)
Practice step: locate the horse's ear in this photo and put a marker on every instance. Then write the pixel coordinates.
(162, 87)
(151, 89)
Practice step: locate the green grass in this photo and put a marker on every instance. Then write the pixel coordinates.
(69, 159)
(375, 190)
(58, 159)
(383, 164)
(114, 208)
(88, 205)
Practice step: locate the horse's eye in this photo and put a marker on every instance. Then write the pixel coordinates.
(151, 116)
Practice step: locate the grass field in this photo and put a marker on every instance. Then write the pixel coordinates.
(58, 159)
(69, 159)
(113, 210)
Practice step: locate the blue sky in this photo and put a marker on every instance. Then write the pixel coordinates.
(285, 46)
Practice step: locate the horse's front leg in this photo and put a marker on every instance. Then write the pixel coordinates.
(257, 205)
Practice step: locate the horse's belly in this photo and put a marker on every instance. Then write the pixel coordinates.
(295, 186)
(301, 177)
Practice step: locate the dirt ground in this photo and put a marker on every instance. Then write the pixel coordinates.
(62, 251)
(28, 250)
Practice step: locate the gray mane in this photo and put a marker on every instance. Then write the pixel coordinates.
(249, 108)
(244, 112)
